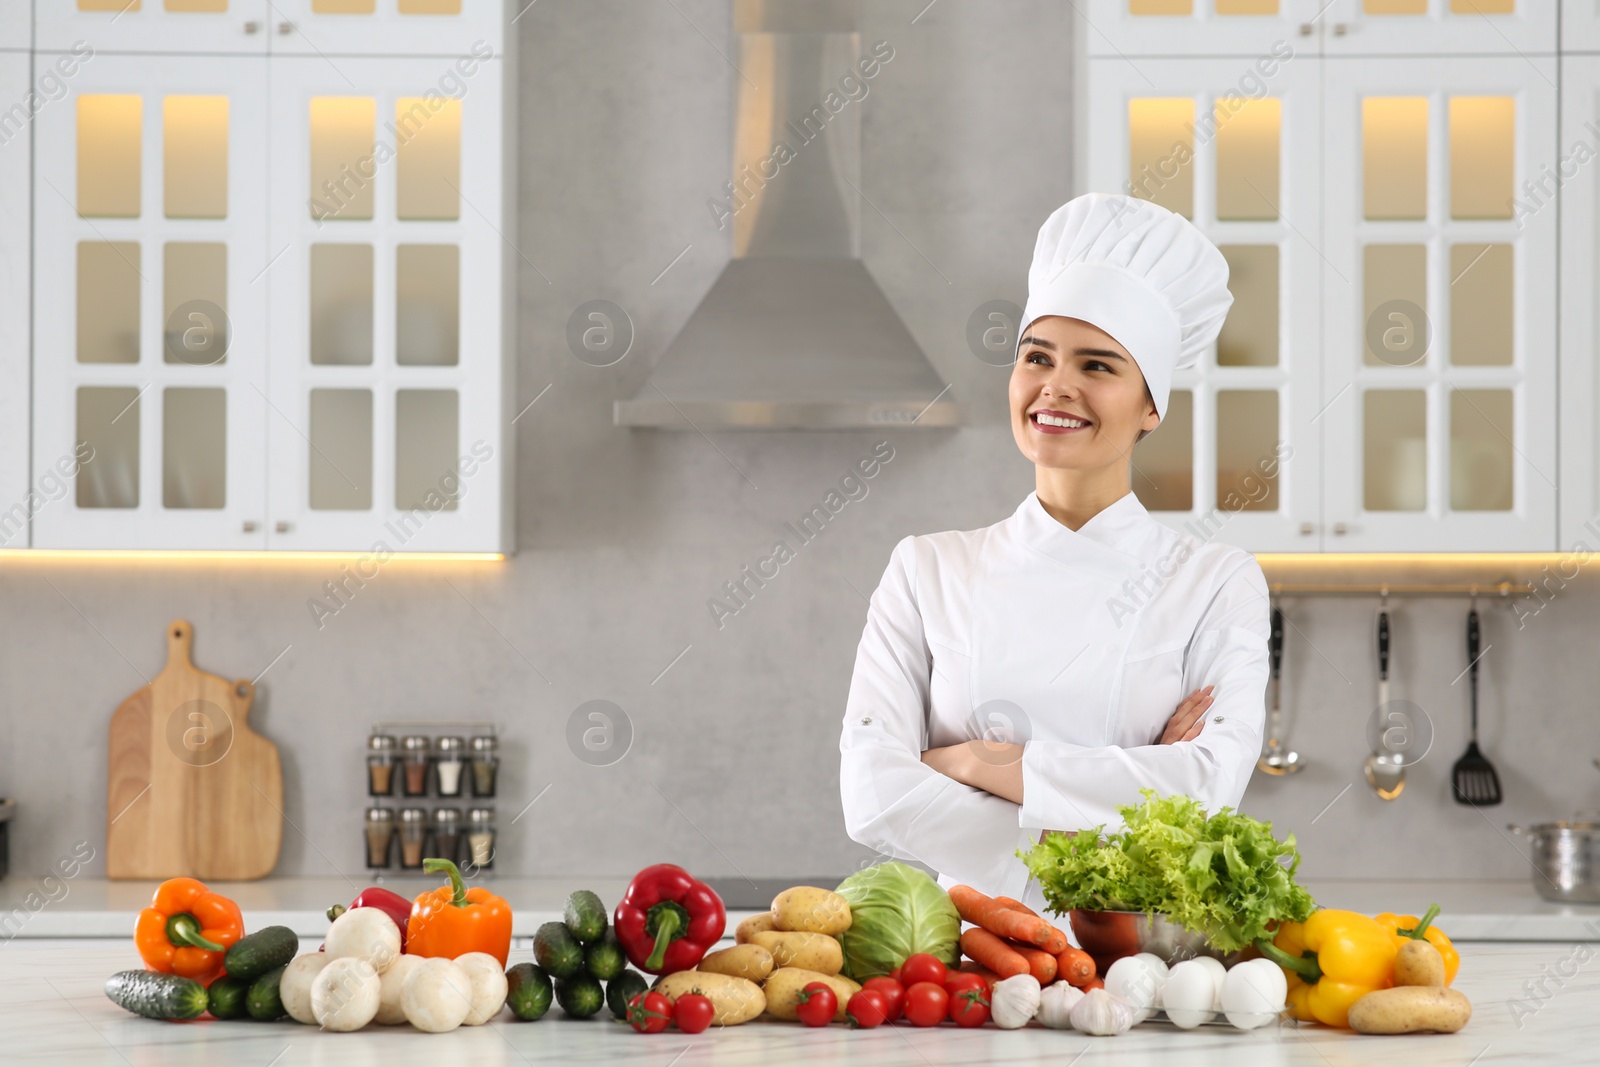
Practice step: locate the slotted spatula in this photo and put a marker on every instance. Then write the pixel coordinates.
(1473, 780)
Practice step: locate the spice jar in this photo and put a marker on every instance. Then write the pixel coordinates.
(413, 836)
(447, 834)
(449, 765)
(480, 838)
(380, 838)
(484, 765)
(414, 751)
(380, 765)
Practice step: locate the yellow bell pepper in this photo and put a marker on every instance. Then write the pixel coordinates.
(1407, 927)
(1331, 960)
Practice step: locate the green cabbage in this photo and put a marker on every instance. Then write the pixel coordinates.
(896, 911)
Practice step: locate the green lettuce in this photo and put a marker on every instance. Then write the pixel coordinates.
(1225, 875)
(896, 911)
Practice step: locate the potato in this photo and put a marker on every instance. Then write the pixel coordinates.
(1410, 1009)
(737, 1000)
(752, 926)
(813, 952)
(751, 962)
(811, 910)
(1418, 963)
(783, 989)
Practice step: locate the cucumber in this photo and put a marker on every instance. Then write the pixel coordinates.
(255, 955)
(226, 997)
(528, 991)
(157, 996)
(263, 1001)
(623, 988)
(586, 916)
(580, 996)
(557, 951)
(604, 958)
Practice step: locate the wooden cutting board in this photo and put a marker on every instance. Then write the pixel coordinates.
(190, 788)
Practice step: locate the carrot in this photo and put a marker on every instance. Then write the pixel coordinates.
(1004, 922)
(974, 967)
(993, 953)
(1075, 965)
(1093, 983)
(1041, 963)
(1016, 905)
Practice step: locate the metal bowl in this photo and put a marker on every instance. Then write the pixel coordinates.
(1110, 935)
(1566, 860)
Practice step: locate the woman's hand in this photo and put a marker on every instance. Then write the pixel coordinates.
(1186, 724)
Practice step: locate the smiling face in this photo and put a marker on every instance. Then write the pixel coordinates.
(1069, 373)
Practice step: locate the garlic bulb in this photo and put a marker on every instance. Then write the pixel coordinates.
(1056, 1002)
(1014, 1001)
(1102, 1013)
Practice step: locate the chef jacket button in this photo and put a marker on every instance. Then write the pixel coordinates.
(867, 721)
(1219, 718)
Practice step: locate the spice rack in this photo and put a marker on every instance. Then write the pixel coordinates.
(420, 774)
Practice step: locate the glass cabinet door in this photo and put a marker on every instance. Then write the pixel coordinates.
(387, 347)
(1237, 455)
(466, 29)
(149, 316)
(1434, 27)
(1124, 28)
(1439, 306)
(234, 27)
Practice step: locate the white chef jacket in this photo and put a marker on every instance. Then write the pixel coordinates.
(1080, 644)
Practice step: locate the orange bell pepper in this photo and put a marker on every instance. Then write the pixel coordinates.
(453, 920)
(1407, 928)
(187, 930)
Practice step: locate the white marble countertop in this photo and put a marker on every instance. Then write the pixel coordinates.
(92, 908)
(1533, 1003)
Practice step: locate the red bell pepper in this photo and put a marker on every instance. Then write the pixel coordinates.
(667, 920)
(391, 904)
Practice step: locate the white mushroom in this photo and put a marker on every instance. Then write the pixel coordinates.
(294, 988)
(489, 987)
(390, 984)
(365, 933)
(344, 996)
(438, 996)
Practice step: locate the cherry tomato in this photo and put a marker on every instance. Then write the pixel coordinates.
(922, 968)
(649, 1012)
(693, 1012)
(867, 1009)
(893, 993)
(970, 1006)
(926, 1004)
(895, 974)
(817, 1004)
(956, 981)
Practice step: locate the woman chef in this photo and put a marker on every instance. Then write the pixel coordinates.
(1088, 649)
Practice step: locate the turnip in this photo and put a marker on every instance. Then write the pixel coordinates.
(344, 996)
(364, 933)
(488, 990)
(390, 984)
(294, 988)
(437, 997)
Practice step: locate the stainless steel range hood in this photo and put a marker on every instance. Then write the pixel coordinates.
(795, 333)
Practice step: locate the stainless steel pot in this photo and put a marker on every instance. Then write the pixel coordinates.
(1566, 860)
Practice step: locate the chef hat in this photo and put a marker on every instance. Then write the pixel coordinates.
(1145, 275)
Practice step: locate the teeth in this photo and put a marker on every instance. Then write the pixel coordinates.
(1051, 420)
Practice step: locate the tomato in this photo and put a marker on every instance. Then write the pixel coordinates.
(893, 993)
(867, 1009)
(649, 1012)
(956, 981)
(693, 1012)
(926, 1004)
(970, 1006)
(895, 974)
(817, 1004)
(922, 968)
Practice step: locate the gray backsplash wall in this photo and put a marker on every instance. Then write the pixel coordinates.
(624, 536)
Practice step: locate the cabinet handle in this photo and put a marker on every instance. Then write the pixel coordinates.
(285, 29)
(1305, 29)
(252, 27)
(1306, 529)
(283, 527)
(1340, 528)
(1339, 29)
(251, 526)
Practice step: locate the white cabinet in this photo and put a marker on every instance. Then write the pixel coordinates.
(272, 302)
(16, 506)
(1439, 27)
(1439, 308)
(1247, 28)
(150, 322)
(1580, 26)
(390, 27)
(215, 27)
(1580, 300)
(1393, 323)
(16, 28)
